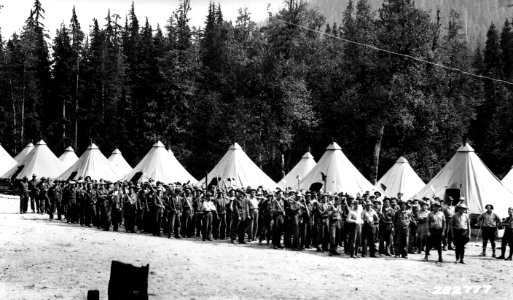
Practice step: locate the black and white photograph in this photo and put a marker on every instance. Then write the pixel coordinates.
(256, 149)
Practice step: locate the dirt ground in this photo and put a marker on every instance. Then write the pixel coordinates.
(42, 259)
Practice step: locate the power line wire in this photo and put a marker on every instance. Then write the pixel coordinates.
(399, 54)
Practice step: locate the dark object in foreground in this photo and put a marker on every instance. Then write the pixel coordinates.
(128, 281)
(93, 295)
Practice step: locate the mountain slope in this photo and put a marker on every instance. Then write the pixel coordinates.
(477, 15)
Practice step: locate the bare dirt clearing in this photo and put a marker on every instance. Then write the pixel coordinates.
(42, 259)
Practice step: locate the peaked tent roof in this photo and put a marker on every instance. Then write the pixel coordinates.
(24, 152)
(341, 174)
(507, 181)
(477, 184)
(158, 165)
(40, 161)
(302, 168)
(6, 161)
(92, 163)
(236, 169)
(68, 158)
(119, 164)
(400, 178)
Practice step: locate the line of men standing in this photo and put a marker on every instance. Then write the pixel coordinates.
(363, 225)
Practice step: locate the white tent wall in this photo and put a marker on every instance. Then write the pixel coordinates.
(400, 178)
(299, 171)
(341, 175)
(477, 184)
(236, 169)
(40, 161)
(91, 163)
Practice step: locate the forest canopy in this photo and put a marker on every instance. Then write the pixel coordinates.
(276, 89)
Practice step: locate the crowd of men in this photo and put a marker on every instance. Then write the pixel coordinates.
(365, 225)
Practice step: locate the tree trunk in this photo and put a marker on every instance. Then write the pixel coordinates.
(282, 164)
(64, 123)
(14, 125)
(75, 142)
(377, 150)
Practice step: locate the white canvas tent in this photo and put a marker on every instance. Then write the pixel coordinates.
(341, 175)
(475, 182)
(68, 158)
(159, 165)
(236, 169)
(91, 163)
(24, 152)
(40, 161)
(6, 161)
(400, 178)
(507, 181)
(119, 164)
(299, 171)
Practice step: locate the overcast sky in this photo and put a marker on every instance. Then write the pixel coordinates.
(15, 12)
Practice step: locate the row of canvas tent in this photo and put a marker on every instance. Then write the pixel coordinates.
(464, 175)
(159, 164)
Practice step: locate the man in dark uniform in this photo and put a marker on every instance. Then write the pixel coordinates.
(402, 220)
(130, 209)
(507, 238)
(322, 220)
(43, 196)
(197, 202)
(90, 205)
(158, 208)
(334, 210)
(175, 212)
(24, 195)
(141, 206)
(187, 202)
(69, 198)
(55, 194)
(81, 198)
(220, 221)
(239, 214)
(33, 194)
(265, 218)
(116, 200)
(295, 213)
(307, 221)
(105, 207)
(278, 213)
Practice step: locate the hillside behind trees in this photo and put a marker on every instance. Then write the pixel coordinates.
(476, 15)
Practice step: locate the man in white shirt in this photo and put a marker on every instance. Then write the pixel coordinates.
(354, 219)
(208, 207)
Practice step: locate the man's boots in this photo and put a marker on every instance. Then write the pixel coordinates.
(483, 253)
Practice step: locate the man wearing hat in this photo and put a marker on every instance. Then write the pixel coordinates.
(129, 208)
(322, 222)
(370, 222)
(265, 216)
(278, 213)
(221, 202)
(239, 215)
(460, 229)
(187, 214)
(437, 225)
(354, 220)
(402, 220)
(507, 238)
(489, 223)
(69, 201)
(307, 221)
(43, 195)
(386, 216)
(175, 212)
(252, 221)
(423, 226)
(33, 193)
(208, 208)
(448, 211)
(23, 189)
